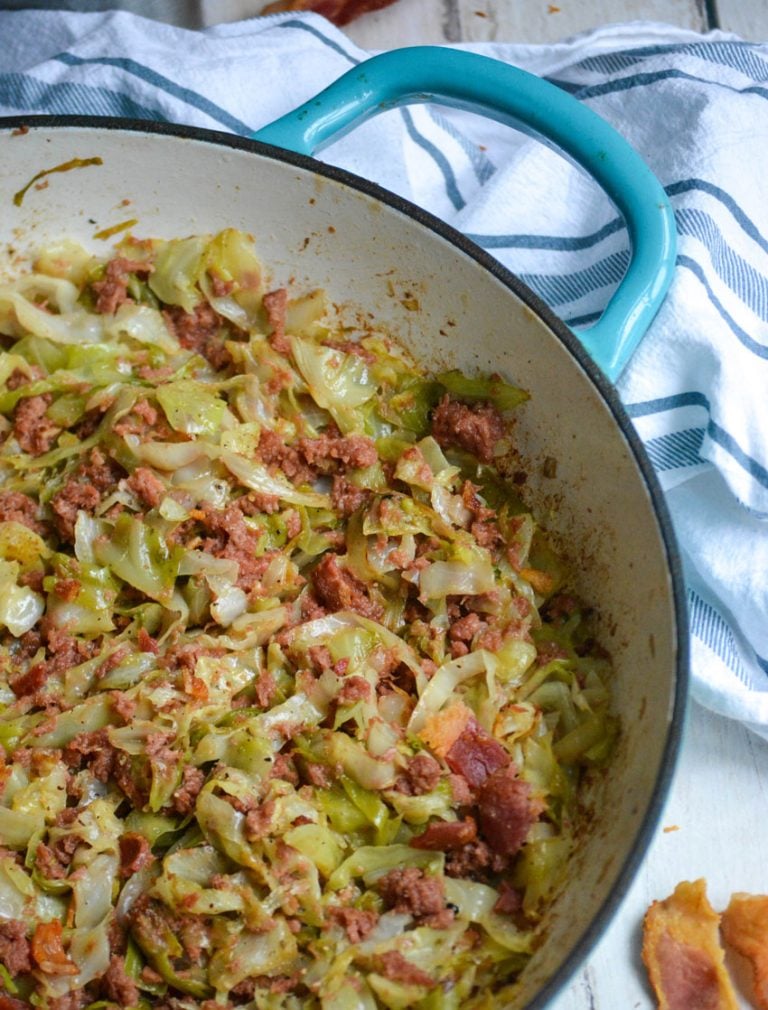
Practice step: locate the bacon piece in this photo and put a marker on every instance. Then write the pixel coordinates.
(445, 836)
(443, 729)
(476, 428)
(682, 952)
(505, 811)
(48, 950)
(745, 928)
(476, 755)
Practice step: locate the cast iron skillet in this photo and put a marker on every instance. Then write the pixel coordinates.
(320, 226)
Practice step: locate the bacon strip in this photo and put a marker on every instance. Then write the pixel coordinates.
(745, 928)
(682, 952)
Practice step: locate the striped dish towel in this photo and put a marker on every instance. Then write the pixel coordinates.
(696, 109)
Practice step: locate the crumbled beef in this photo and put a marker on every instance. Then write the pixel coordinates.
(34, 430)
(510, 899)
(354, 689)
(446, 836)
(357, 922)
(202, 331)
(14, 947)
(412, 891)
(258, 820)
(67, 589)
(275, 303)
(284, 767)
(254, 504)
(16, 507)
(265, 688)
(185, 797)
(352, 450)
(229, 536)
(118, 985)
(64, 652)
(321, 776)
(422, 774)
(476, 428)
(487, 534)
(124, 774)
(147, 486)
(339, 589)
(112, 290)
(352, 347)
(146, 643)
(475, 860)
(75, 999)
(66, 503)
(124, 706)
(49, 864)
(347, 497)
(320, 657)
(505, 812)
(465, 629)
(461, 794)
(19, 377)
(275, 454)
(476, 755)
(94, 749)
(393, 965)
(92, 480)
(134, 852)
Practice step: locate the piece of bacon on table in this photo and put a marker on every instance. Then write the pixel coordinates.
(682, 952)
(340, 12)
(745, 928)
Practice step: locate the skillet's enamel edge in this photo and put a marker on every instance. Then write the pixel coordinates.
(609, 398)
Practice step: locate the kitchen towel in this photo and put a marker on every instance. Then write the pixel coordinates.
(694, 106)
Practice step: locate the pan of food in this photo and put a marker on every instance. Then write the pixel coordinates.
(343, 639)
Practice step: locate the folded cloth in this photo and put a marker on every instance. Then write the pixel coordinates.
(693, 105)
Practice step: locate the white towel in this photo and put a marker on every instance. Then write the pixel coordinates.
(694, 106)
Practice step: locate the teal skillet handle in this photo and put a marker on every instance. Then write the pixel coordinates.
(504, 93)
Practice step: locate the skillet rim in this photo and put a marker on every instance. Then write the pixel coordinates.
(605, 914)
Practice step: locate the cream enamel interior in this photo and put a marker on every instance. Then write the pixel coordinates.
(374, 261)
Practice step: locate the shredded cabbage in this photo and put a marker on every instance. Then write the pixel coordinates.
(280, 655)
